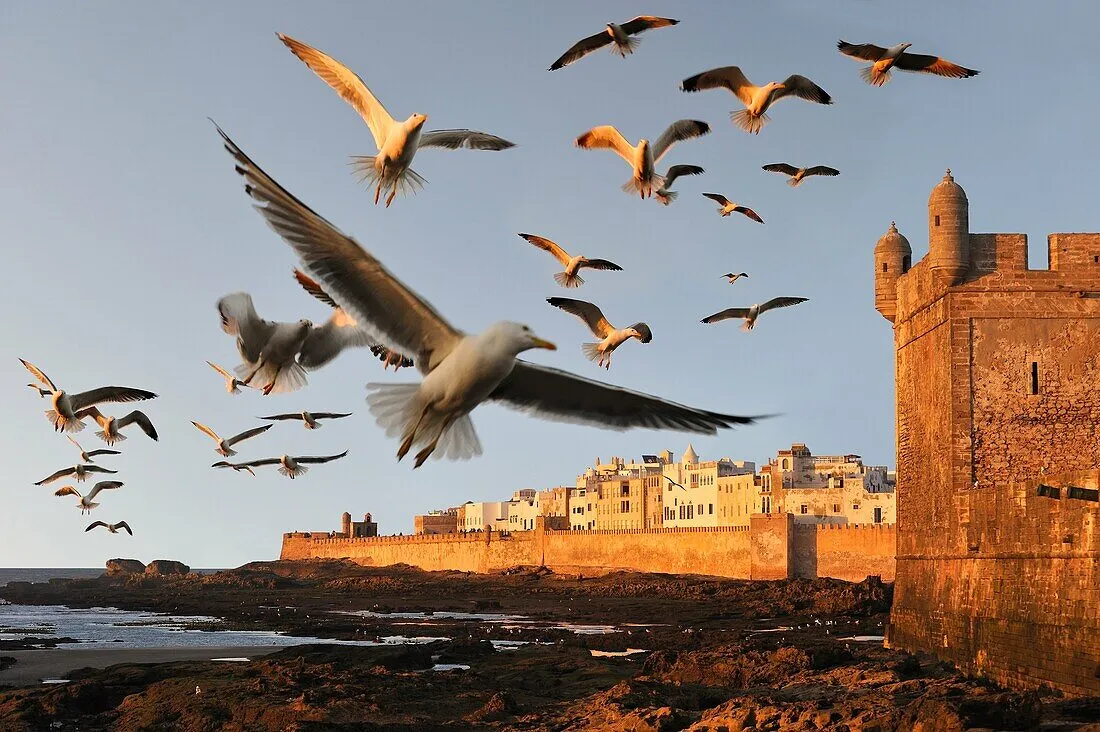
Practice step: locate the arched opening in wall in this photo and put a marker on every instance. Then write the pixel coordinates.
(906, 263)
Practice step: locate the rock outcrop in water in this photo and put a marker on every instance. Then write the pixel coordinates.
(166, 566)
(116, 567)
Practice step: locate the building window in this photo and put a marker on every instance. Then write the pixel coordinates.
(885, 267)
(766, 504)
(786, 464)
(1034, 377)
(906, 263)
(855, 506)
(836, 508)
(710, 509)
(803, 509)
(878, 515)
(625, 488)
(937, 219)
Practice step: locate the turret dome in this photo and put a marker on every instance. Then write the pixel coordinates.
(894, 243)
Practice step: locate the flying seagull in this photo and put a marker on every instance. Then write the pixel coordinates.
(112, 528)
(883, 60)
(232, 383)
(461, 370)
(87, 456)
(65, 406)
(225, 446)
(110, 427)
(756, 99)
(594, 318)
(309, 419)
(619, 37)
(388, 357)
(750, 314)
(642, 157)
(570, 278)
(87, 502)
(665, 195)
(289, 466)
(397, 141)
(726, 207)
(237, 467)
(78, 471)
(734, 277)
(797, 175)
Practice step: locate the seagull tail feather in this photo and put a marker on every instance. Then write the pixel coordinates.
(749, 123)
(873, 77)
(568, 280)
(667, 197)
(643, 187)
(406, 181)
(394, 406)
(102, 434)
(591, 351)
(794, 182)
(626, 48)
(459, 441)
(69, 425)
(748, 325)
(290, 377)
(298, 470)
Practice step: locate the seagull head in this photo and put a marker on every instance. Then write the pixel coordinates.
(416, 120)
(305, 323)
(517, 338)
(642, 332)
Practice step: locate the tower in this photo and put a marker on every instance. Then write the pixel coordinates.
(948, 230)
(893, 257)
(345, 524)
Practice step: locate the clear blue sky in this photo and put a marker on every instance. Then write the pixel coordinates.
(124, 222)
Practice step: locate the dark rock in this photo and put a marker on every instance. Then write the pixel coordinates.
(499, 706)
(116, 567)
(166, 566)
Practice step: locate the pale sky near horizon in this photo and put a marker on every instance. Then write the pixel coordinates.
(124, 223)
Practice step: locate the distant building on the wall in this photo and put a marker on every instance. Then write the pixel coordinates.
(352, 529)
(436, 522)
(828, 489)
(482, 515)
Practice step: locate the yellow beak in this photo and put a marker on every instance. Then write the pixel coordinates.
(540, 343)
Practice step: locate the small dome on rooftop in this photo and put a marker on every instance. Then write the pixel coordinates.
(893, 242)
(947, 191)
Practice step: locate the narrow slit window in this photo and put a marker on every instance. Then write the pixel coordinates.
(1034, 377)
(937, 219)
(885, 267)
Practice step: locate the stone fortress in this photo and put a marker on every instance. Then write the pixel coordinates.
(998, 449)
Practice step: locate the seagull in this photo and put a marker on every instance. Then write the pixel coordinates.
(734, 277)
(612, 337)
(225, 446)
(570, 278)
(799, 174)
(665, 195)
(397, 141)
(670, 480)
(642, 157)
(111, 427)
(279, 353)
(112, 528)
(87, 502)
(750, 314)
(309, 419)
(388, 357)
(65, 406)
(896, 57)
(78, 471)
(289, 466)
(726, 207)
(232, 383)
(461, 371)
(617, 36)
(756, 99)
(237, 467)
(87, 456)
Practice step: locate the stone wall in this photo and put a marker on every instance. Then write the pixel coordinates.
(845, 551)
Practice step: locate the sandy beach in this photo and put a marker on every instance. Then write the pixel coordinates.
(53, 663)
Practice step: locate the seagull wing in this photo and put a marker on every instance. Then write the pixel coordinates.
(284, 417)
(722, 200)
(726, 314)
(97, 469)
(141, 420)
(103, 451)
(67, 490)
(801, 87)
(822, 170)
(93, 412)
(356, 280)
(933, 65)
(247, 434)
(781, 302)
(561, 396)
(785, 168)
(77, 444)
(600, 264)
(749, 212)
(862, 51)
(331, 415)
(678, 170)
(546, 245)
(348, 85)
(250, 463)
(470, 139)
(220, 370)
(95, 524)
(109, 394)
(326, 342)
(606, 136)
(644, 23)
(38, 374)
(103, 485)
(203, 428)
(123, 525)
(318, 460)
(582, 48)
(586, 311)
(726, 77)
(239, 318)
(314, 288)
(59, 474)
(681, 129)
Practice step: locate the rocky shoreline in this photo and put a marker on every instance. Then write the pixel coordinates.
(524, 650)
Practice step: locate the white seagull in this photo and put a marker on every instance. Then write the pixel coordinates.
(461, 371)
(570, 278)
(665, 195)
(225, 445)
(309, 419)
(237, 467)
(87, 503)
(883, 60)
(797, 175)
(112, 528)
(750, 314)
(87, 456)
(756, 99)
(397, 141)
(65, 406)
(611, 336)
(619, 37)
(726, 207)
(289, 466)
(642, 157)
(232, 383)
(110, 427)
(732, 277)
(78, 471)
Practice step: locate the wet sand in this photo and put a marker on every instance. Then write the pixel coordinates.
(54, 663)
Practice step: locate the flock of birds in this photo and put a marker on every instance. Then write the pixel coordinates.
(372, 308)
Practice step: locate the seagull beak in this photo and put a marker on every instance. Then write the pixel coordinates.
(540, 343)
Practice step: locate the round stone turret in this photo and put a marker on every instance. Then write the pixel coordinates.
(345, 524)
(948, 230)
(893, 257)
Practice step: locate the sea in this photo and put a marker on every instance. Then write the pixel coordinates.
(45, 574)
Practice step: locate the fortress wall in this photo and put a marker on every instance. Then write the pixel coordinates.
(845, 551)
(432, 552)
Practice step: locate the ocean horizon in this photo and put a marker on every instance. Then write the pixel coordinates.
(45, 574)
